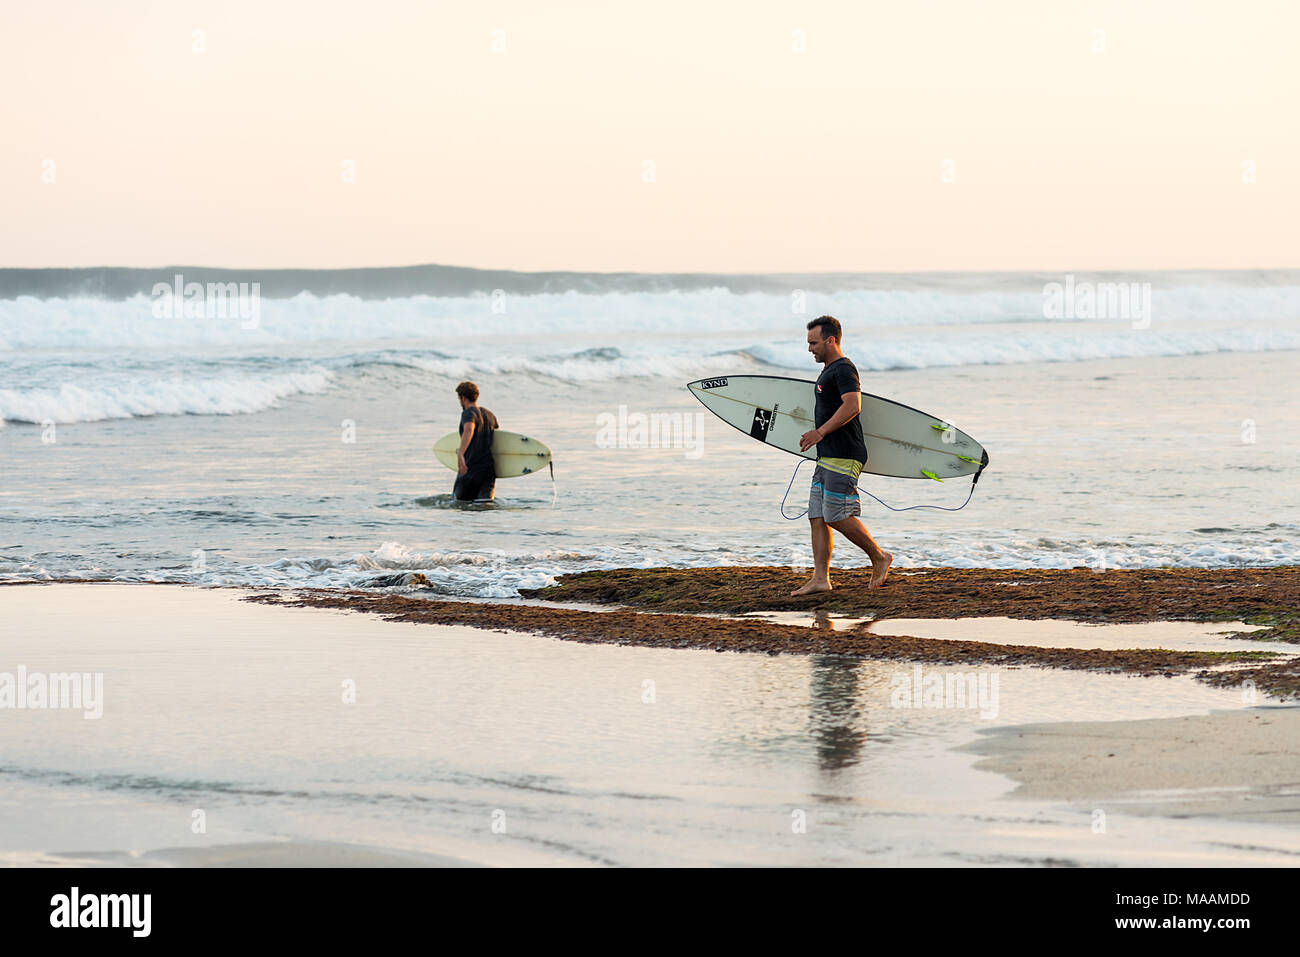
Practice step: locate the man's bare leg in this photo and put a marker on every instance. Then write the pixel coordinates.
(853, 529)
(822, 544)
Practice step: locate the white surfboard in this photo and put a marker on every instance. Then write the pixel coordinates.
(514, 454)
(901, 441)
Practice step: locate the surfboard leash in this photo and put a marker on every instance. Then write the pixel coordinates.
(787, 494)
(555, 491)
(906, 508)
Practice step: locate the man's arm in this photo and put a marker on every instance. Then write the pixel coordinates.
(850, 405)
(465, 437)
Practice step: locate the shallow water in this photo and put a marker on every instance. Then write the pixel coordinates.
(1048, 632)
(1171, 635)
(217, 705)
(194, 450)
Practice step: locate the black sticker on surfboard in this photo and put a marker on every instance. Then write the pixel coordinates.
(762, 422)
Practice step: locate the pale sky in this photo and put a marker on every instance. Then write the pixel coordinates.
(1086, 135)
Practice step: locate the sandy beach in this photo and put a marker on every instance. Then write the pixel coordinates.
(261, 854)
(575, 729)
(1239, 765)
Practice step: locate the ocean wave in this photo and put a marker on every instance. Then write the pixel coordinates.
(81, 323)
(112, 282)
(134, 398)
(884, 354)
(881, 354)
(584, 368)
(117, 385)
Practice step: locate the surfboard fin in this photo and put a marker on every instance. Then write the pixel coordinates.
(930, 475)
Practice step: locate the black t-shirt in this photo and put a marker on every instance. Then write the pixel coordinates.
(478, 457)
(846, 442)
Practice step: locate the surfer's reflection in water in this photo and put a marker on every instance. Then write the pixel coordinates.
(476, 471)
(835, 716)
(835, 719)
(841, 454)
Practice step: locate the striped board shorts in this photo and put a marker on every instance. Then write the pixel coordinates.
(834, 495)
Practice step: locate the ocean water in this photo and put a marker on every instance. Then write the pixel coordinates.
(292, 447)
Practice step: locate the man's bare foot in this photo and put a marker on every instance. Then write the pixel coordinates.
(880, 570)
(812, 585)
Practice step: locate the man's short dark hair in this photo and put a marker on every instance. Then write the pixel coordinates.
(830, 327)
(467, 391)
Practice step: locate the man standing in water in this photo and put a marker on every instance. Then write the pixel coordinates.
(477, 471)
(841, 453)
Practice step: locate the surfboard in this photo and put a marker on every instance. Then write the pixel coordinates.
(902, 442)
(514, 454)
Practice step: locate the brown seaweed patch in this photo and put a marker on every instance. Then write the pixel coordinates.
(721, 634)
(1280, 679)
(1268, 596)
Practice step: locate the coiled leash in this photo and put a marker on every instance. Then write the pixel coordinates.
(906, 508)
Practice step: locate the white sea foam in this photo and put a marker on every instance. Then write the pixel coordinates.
(882, 354)
(584, 368)
(130, 398)
(29, 323)
(80, 360)
(497, 573)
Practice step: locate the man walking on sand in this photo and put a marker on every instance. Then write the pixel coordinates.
(841, 453)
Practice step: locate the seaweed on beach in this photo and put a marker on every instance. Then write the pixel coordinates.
(1269, 595)
(1278, 679)
(631, 628)
(1273, 624)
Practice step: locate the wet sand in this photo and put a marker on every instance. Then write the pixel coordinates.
(1234, 766)
(252, 854)
(1269, 597)
(690, 607)
(1239, 764)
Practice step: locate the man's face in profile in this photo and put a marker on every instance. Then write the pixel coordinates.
(817, 344)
